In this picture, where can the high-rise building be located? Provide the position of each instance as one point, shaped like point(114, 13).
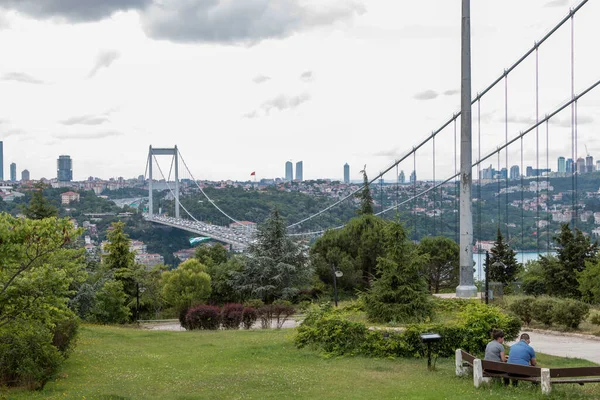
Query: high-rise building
point(569, 166)
point(346, 174)
point(299, 174)
point(598, 165)
point(13, 172)
point(401, 178)
point(580, 166)
point(289, 171)
point(589, 164)
point(514, 172)
point(561, 165)
point(64, 171)
point(25, 176)
point(413, 177)
point(1, 161)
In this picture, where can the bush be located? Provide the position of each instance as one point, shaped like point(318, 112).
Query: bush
point(182, 318)
point(595, 319)
point(27, 356)
point(65, 333)
point(523, 308)
point(203, 317)
point(249, 317)
point(265, 313)
point(254, 303)
point(231, 316)
point(282, 310)
point(543, 309)
point(570, 313)
point(328, 330)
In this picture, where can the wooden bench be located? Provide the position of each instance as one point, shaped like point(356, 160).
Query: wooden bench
point(545, 376)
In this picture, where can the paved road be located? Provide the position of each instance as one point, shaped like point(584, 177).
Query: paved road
point(580, 346)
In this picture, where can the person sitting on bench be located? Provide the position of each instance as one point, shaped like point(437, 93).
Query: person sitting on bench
point(522, 353)
point(494, 351)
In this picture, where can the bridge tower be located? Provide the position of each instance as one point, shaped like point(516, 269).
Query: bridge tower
point(163, 152)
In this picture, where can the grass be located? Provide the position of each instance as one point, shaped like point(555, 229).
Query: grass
point(125, 363)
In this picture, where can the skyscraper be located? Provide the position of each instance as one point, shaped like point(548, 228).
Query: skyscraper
point(25, 176)
point(1, 161)
point(598, 165)
point(589, 164)
point(289, 171)
point(299, 171)
point(401, 178)
point(569, 166)
point(514, 172)
point(561, 165)
point(413, 177)
point(346, 174)
point(580, 166)
point(13, 172)
point(64, 171)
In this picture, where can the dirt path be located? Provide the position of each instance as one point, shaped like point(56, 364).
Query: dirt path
point(565, 345)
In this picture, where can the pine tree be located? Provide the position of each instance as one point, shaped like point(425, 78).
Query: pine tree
point(120, 260)
point(39, 207)
point(503, 262)
point(366, 200)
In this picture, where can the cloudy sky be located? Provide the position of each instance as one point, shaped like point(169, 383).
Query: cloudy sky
point(245, 85)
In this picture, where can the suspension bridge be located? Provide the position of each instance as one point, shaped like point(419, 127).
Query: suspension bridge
point(510, 129)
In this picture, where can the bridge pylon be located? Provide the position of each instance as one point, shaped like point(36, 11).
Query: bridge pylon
point(152, 152)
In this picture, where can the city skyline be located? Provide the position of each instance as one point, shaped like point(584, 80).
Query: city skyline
point(103, 86)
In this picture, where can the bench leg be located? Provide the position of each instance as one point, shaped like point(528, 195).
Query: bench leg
point(477, 373)
point(546, 384)
point(460, 369)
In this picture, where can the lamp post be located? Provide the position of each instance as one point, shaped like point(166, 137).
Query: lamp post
point(336, 274)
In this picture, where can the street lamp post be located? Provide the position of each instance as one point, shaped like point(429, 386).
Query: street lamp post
point(336, 274)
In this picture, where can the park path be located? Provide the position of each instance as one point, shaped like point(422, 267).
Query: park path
point(565, 345)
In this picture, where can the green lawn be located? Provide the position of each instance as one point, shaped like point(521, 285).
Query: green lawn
point(125, 363)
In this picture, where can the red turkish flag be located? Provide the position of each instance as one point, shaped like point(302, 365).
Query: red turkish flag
point(253, 173)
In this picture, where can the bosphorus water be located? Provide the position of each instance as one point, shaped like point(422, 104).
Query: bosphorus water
point(522, 257)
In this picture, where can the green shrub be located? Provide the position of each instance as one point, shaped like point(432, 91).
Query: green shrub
point(254, 303)
point(522, 307)
point(249, 317)
point(27, 356)
point(595, 319)
point(65, 333)
point(480, 320)
point(282, 310)
point(450, 305)
point(543, 309)
point(570, 313)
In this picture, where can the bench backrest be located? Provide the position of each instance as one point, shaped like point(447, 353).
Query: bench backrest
point(574, 372)
point(511, 368)
point(467, 357)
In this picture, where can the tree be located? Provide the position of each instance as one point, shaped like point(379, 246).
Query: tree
point(366, 200)
point(589, 281)
point(211, 255)
point(441, 265)
point(37, 268)
point(120, 260)
point(275, 267)
point(400, 292)
point(220, 280)
point(187, 285)
point(39, 207)
point(574, 249)
point(503, 266)
point(111, 304)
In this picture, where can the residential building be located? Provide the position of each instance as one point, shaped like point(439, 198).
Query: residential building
point(561, 165)
point(25, 176)
point(64, 171)
point(346, 174)
point(569, 166)
point(13, 172)
point(299, 173)
point(184, 254)
point(149, 259)
point(514, 172)
point(580, 166)
point(68, 197)
point(289, 171)
point(589, 164)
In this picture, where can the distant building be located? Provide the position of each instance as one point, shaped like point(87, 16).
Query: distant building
point(580, 166)
point(184, 254)
point(149, 260)
point(346, 173)
point(64, 171)
point(589, 164)
point(561, 165)
point(401, 178)
point(13, 172)
point(598, 165)
point(25, 176)
point(569, 166)
point(514, 172)
point(68, 197)
point(289, 171)
point(529, 171)
point(413, 177)
point(299, 173)
point(1, 161)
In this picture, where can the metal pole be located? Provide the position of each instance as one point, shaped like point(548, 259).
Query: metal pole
point(487, 275)
point(466, 287)
point(335, 294)
point(150, 205)
point(176, 182)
